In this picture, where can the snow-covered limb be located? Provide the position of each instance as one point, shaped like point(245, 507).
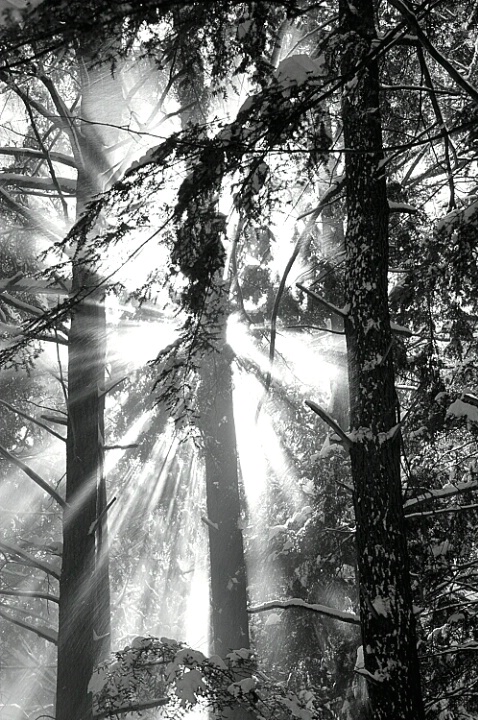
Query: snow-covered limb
point(401, 330)
point(43, 183)
point(21, 305)
point(400, 207)
point(18, 552)
point(330, 421)
point(34, 420)
point(345, 617)
point(442, 511)
point(333, 308)
point(446, 491)
point(120, 447)
point(43, 632)
point(34, 476)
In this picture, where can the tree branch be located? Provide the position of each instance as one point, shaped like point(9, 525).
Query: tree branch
point(331, 422)
point(136, 707)
point(32, 419)
point(34, 476)
point(443, 492)
point(328, 306)
point(34, 153)
point(44, 633)
point(32, 594)
point(411, 18)
point(19, 552)
point(313, 607)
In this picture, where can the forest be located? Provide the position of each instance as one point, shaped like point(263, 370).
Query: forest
point(239, 359)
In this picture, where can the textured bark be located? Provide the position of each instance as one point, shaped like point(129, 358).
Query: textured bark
point(387, 623)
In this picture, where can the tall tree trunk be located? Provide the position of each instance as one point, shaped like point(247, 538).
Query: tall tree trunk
point(84, 616)
point(203, 229)
point(388, 628)
point(229, 619)
point(77, 654)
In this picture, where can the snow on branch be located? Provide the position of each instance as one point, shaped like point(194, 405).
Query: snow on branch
point(438, 493)
point(340, 615)
point(328, 306)
point(401, 207)
point(330, 421)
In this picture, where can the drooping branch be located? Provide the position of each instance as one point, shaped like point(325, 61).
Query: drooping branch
point(293, 603)
point(302, 239)
point(33, 475)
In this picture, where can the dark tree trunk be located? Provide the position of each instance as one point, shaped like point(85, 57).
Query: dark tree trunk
point(84, 614)
point(77, 651)
point(229, 617)
point(203, 231)
point(388, 628)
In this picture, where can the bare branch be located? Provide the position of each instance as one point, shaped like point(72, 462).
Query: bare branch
point(57, 420)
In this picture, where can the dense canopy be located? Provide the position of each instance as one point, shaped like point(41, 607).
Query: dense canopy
point(238, 326)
